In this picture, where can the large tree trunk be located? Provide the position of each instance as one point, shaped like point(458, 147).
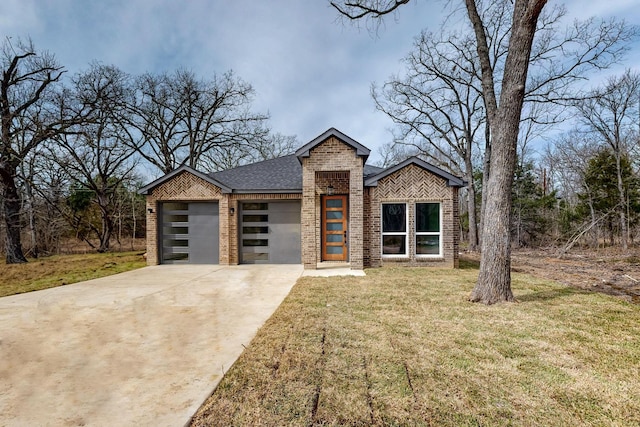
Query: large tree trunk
point(11, 203)
point(494, 278)
point(485, 179)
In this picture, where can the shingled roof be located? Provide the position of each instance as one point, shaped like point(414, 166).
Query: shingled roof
point(284, 174)
point(279, 175)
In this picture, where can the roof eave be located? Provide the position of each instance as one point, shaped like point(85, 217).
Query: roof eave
point(268, 191)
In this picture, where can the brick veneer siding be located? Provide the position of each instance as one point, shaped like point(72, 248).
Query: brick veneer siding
point(412, 185)
point(371, 233)
point(332, 155)
point(185, 187)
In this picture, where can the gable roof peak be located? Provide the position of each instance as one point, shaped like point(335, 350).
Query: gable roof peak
point(147, 189)
point(452, 180)
point(305, 150)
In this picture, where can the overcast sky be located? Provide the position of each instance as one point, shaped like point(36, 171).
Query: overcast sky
point(309, 71)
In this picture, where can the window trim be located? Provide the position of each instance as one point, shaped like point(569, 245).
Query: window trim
point(417, 233)
point(395, 233)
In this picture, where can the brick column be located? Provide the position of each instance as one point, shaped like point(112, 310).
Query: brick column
point(152, 231)
point(356, 217)
point(308, 216)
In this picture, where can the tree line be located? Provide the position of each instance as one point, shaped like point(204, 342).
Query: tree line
point(74, 149)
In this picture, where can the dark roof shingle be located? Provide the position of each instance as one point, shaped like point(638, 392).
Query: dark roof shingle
point(282, 174)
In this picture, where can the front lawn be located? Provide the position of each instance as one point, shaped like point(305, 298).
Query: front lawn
point(404, 347)
point(48, 272)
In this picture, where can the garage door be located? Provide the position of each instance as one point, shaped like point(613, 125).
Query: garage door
point(190, 233)
point(270, 233)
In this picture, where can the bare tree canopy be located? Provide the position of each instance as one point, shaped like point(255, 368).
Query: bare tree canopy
point(438, 103)
point(372, 9)
point(503, 114)
point(95, 155)
point(89, 136)
point(610, 112)
point(438, 108)
point(29, 116)
point(181, 119)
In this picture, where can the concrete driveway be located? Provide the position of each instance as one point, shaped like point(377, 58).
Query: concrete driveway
point(145, 347)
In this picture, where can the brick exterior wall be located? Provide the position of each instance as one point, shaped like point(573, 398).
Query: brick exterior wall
point(412, 185)
point(330, 163)
point(184, 187)
point(187, 187)
point(318, 171)
point(371, 234)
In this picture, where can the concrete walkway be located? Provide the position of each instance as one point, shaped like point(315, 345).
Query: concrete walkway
point(145, 347)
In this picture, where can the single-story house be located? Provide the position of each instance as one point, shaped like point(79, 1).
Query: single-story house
point(323, 204)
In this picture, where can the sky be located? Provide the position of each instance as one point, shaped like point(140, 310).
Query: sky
point(310, 71)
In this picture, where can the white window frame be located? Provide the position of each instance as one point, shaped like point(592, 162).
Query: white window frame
point(395, 233)
point(427, 233)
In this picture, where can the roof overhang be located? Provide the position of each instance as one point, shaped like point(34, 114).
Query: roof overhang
point(147, 189)
point(452, 180)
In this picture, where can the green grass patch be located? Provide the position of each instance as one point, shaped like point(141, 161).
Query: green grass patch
point(405, 347)
point(49, 272)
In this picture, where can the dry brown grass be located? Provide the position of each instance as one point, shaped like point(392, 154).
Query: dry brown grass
point(404, 347)
point(43, 273)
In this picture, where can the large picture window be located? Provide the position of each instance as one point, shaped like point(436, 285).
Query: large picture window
point(428, 229)
point(394, 229)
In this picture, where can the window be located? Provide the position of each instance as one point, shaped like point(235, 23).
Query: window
point(255, 218)
point(255, 230)
point(394, 229)
point(255, 242)
point(428, 231)
point(253, 206)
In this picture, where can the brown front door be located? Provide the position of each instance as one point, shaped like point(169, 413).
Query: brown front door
point(334, 228)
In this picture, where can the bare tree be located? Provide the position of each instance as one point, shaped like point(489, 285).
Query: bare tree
point(95, 155)
point(45, 185)
point(503, 114)
point(393, 153)
point(612, 113)
point(179, 119)
point(567, 158)
point(438, 104)
point(221, 157)
point(503, 35)
point(438, 108)
point(28, 118)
